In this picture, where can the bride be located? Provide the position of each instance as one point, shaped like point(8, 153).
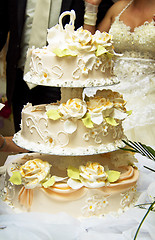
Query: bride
point(132, 25)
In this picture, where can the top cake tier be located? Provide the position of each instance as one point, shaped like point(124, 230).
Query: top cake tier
point(72, 58)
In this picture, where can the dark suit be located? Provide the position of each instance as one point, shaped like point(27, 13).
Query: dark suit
point(12, 14)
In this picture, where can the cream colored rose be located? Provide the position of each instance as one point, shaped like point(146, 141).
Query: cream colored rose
point(33, 172)
point(81, 41)
point(56, 38)
point(83, 37)
point(117, 99)
point(102, 38)
point(93, 175)
point(99, 108)
point(73, 108)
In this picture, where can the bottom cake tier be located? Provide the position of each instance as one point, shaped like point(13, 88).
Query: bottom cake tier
point(81, 186)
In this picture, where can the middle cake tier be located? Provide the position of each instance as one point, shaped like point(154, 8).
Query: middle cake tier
point(75, 127)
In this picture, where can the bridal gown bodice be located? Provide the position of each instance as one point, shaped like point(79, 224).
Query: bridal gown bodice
point(137, 44)
point(135, 69)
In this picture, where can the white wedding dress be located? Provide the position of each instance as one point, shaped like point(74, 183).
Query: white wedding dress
point(136, 72)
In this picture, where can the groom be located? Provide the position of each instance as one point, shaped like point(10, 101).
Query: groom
point(13, 15)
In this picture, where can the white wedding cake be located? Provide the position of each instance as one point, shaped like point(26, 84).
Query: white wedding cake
point(78, 166)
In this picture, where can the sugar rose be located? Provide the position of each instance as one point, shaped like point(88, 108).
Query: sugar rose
point(33, 172)
point(93, 175)
point(73, 108)
point(83, 38)
point(102, 38)
point(99, 108)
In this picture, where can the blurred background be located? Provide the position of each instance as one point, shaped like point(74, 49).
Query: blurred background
point(6, 122)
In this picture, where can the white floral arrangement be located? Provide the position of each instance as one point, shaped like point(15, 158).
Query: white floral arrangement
point(36, 173)
point(96, 50)
point(94, 112)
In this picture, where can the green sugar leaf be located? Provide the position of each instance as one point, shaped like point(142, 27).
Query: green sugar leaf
point(129, 112)
point(16, 178)
point(50, 182)
point(113, 176)
point(64, 52)
point(109, 55)
point(87, 121)
point(73, 173)
point(53, 114)
point(100, 50)
point(111, 121)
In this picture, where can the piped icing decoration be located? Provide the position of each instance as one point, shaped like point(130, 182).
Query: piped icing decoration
point(94, 204)
point(34, 125)
point(25, 197)
point(53, 180)
point(102, 39)
point(93, 175)
point(63, 138)
point(37, 66)
point(99, 109)
point(126, 196)
point(50, 182)
point(34, 173)
point(31, 175)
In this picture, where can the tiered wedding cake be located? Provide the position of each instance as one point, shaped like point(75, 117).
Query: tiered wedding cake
point(78, 167)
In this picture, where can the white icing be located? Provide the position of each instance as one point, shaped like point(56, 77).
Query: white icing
point(70, 126)
point(35, 127)
point(59, 73)
point(125, 199)
point(67, 82)
point(68, 151)
point(62, 138)
point(97, 133)
point(117, 114)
